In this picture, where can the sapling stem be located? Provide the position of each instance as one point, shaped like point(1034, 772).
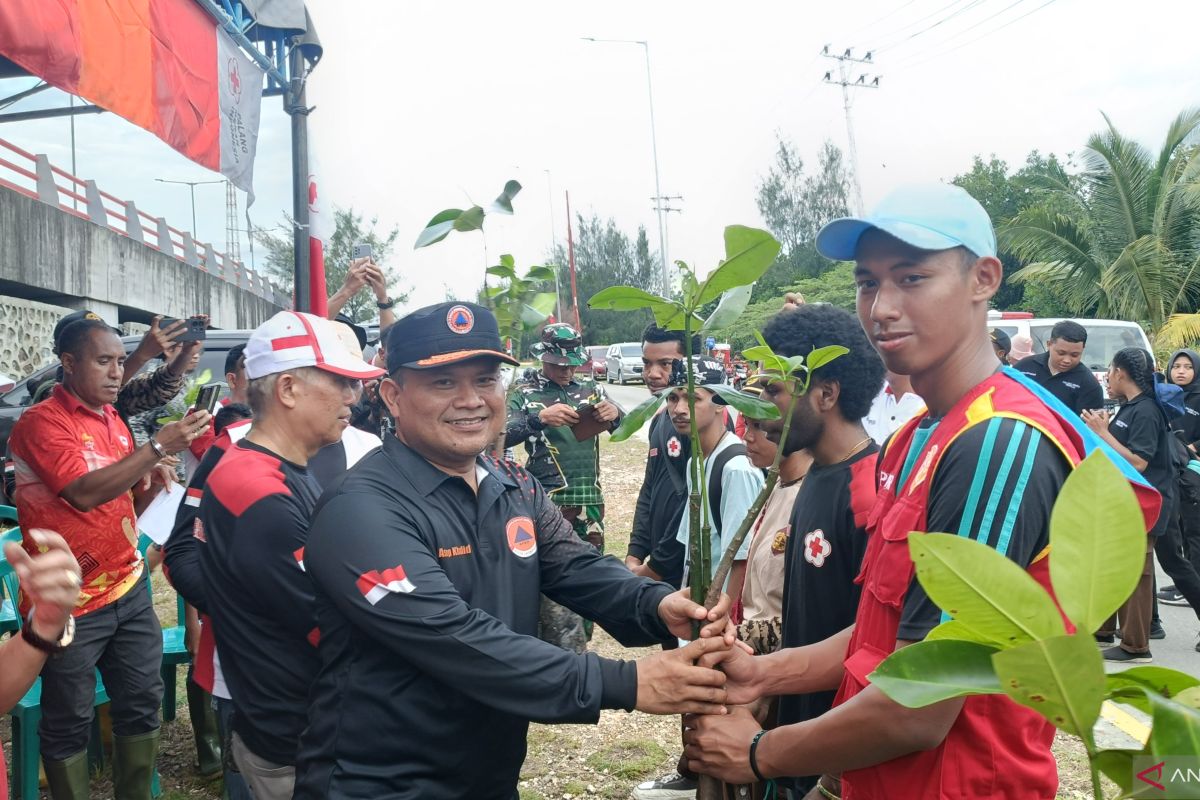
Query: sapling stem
point(718, 582)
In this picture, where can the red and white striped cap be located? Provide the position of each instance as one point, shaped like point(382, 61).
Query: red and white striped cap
point(293, 339)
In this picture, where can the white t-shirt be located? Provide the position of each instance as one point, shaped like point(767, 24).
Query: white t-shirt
point(741, 482)
point(887, 413)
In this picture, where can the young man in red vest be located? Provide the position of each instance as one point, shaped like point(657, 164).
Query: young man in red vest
point(986, 461)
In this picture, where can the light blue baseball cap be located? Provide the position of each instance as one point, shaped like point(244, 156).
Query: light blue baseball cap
point(930, 216)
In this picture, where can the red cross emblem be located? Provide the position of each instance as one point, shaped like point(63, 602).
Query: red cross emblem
point(674, 448)
point(817, 548)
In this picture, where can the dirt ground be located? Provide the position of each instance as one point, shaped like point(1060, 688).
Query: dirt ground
point(565, 762)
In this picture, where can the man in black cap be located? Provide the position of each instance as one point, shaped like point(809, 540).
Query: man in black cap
point(428, 561)
point(1002, 344)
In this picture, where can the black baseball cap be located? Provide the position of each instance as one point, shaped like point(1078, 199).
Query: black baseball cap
point(1001, 340)
point(74, 316)
point(446, 333)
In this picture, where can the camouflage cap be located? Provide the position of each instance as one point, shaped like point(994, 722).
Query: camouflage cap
point(560, 344)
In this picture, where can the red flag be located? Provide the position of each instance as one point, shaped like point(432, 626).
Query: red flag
point(320, 230)
point(376, 585)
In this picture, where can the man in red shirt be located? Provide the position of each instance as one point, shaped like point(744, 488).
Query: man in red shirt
point(75, 468)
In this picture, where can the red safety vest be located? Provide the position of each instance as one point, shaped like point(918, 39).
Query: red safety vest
point(995, 748)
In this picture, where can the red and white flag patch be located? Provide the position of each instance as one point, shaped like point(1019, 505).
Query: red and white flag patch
point(299, 556)
point(376, 585)
point(192, 498)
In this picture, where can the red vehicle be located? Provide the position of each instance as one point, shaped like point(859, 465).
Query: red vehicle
point(595, 365)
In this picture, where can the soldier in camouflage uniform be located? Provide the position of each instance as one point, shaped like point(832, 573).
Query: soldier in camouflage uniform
point(542, 410)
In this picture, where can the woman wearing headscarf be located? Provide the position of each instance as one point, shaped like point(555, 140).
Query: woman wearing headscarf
point(1183, 370)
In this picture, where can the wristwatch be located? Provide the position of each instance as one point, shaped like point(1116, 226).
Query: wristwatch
point(385, 304)
point(68, 635)
point(158, 449)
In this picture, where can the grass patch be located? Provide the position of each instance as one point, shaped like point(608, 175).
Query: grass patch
point(632, 759)
point(575, 788)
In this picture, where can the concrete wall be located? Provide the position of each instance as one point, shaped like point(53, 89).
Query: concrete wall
point(51, 256)
point(25, 331)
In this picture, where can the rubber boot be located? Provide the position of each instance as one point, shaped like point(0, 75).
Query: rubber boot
point(133, 765)
point(204, 729)
point(68, 779)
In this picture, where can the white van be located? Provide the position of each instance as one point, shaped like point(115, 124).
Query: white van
point(1105, 336)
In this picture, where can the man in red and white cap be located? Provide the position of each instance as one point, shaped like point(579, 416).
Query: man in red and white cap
point(254, 516)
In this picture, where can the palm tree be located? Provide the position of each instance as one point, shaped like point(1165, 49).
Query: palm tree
point(1124, 239)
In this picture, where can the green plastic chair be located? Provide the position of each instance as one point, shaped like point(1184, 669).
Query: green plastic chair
point(8, 608)
point(175, 652)
point(26, 745)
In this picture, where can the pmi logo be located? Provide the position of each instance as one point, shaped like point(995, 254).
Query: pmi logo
point(1170, 778)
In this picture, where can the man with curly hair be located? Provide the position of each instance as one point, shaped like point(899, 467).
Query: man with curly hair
point(827, 536)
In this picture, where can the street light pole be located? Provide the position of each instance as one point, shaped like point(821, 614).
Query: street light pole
point(662, 236)
point(192, 186)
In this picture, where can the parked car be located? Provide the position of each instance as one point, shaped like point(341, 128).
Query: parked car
point(624, 362)
point(1105, 338)
point(14, 402)
point(595, 365)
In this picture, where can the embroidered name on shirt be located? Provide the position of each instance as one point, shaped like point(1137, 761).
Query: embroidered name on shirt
point(457, 550)
point(1120, 423)
point(1070, 385)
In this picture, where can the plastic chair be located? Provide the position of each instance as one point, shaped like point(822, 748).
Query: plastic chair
point(8, 608)
point(26, 744)
point(175, 653)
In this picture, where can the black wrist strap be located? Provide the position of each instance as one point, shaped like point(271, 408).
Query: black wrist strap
point(753, 753)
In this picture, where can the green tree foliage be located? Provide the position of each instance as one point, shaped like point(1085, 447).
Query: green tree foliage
point(835, 287)
point(350, 228)
point(794, 206)
point(1004, 195)
point(604, 257)
point(1125, 241)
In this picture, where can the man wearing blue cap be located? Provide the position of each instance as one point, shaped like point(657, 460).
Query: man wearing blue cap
point(986, 461)
point(429, 561)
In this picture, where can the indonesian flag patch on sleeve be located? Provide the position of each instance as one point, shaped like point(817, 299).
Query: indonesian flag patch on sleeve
point(192, 498)
point(376, 585)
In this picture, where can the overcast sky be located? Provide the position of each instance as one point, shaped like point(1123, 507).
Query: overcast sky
point(426, 105)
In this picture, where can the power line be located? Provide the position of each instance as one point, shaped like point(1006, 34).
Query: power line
point(927, 29)
point(878, 20)
point(982, 36)
point(844, 61)
point(968, 29)
point(884, 39)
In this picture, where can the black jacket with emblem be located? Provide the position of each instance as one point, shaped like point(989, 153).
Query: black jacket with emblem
point(428, 598)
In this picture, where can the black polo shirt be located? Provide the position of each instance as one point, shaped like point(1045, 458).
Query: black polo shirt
point(825, 547)
point(661, 501)
point(428, 598)
point(1141, 426)
point(254, 516)
point(1077, 387)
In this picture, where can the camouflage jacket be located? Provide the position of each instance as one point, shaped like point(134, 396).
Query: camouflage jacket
point(568, 469)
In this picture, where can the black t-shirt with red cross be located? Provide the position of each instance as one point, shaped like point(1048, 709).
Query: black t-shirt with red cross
point(824, 553)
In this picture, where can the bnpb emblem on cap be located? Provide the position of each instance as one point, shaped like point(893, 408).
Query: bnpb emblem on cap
point(460, 319)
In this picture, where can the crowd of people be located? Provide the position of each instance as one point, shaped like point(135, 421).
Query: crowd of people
point(385, 598)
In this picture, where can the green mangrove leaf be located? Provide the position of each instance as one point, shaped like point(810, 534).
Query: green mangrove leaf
point(541, 274)
point(749, 252)
point(823, 355)
point(634, 420)
point(1117, 766)
point(733, 303)
point(469, 220)
point(503, 203)
point(494, 291)
point(544, 302)
point(531, 317)
point(1131, 685)
point(953, 629)
point(928, 672)
point(983, 590)
point(1097, 542)
point(752, 407)
point(502, 271)
point(438, 228)
point(1061, 678)
point(1176, 730)
point(626, 298)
